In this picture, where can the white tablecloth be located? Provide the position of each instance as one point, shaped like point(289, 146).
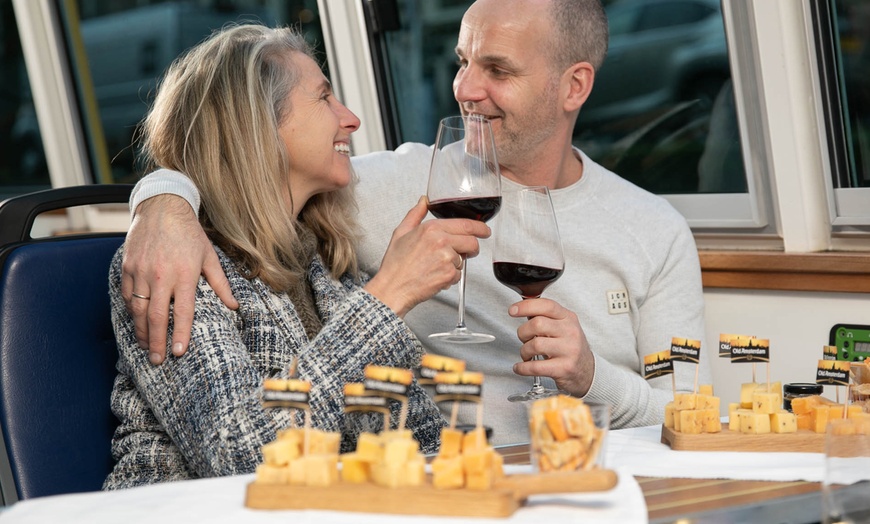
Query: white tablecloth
point(221, 500)
point(631, 452)
point(640, 452)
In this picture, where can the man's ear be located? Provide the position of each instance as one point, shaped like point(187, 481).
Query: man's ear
point(577, 84)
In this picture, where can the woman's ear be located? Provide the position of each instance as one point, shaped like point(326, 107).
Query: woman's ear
point(577, 81)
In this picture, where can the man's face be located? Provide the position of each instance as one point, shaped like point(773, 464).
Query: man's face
point(505, 75)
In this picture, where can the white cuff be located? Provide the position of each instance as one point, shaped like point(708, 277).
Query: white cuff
point(162, 182)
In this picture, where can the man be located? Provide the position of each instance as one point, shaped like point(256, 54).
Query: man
point(632, 278)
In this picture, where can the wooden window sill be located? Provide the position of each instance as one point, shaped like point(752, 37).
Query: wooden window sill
point(833, 272)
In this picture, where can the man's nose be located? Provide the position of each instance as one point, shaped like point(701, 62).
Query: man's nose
point(468, 86)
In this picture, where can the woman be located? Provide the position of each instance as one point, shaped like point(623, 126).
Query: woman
point(250, 118)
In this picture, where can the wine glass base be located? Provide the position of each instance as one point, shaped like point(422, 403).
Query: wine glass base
point(534, 394)
point(463, 337)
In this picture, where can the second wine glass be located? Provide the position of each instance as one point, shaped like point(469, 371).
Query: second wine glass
point(464, 182)
point(527, 256)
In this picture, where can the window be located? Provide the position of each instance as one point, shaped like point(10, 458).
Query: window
point(662, 113)
point(128, 45)
point(23, 166)
point(843, 46)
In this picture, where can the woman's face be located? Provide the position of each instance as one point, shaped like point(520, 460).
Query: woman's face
point(316, 135)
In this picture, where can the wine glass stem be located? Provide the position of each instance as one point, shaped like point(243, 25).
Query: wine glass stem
point(461, 323)
point(536, 382)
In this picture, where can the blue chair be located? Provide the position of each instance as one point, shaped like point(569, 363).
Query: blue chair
point(57, 349)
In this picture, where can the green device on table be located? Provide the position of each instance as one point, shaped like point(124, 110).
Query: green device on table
point(852, 341)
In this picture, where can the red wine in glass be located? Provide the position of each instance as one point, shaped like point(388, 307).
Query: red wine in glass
point(478, 208)
point(528, 280)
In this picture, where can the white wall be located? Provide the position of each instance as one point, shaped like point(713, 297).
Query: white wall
point(796, 323)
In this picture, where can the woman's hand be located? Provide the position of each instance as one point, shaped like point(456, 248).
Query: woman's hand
point(424, 258)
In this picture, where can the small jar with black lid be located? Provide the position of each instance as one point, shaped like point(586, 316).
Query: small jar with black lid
point(798, 389)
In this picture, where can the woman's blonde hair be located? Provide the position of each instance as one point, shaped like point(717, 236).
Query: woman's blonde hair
point(215, 118)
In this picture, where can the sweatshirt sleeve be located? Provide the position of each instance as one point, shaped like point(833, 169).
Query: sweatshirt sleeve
point(161, 182)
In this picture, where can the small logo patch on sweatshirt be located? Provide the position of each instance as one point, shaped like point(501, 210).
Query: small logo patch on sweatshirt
point(617, 302)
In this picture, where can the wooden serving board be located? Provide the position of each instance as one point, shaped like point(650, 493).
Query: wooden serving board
point(726, 440)
point(508, 495)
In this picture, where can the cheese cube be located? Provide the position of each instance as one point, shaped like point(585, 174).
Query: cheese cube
point(399, 451)
point(271, 474)
point(451, 442)
point(474, 440)
point(354, 468)
point(320, 470)
point(711, 423)
point(804, 421)
point(753, 423)
point(479, 481)
point(685, 401)
point(706, 389)
point(746, 391)
point(477, 461)
point(820, 415)
point(707, 402)
point(410, 473)
point(764, 402)
point(733, 421)
point(280, 452)
point(415, 471)
point(447, 473)
point(669, 414)
point(783, 422)
point(389, 475)
point(369, 447)
point(323, 442)
point(692, 421)
point(296, 472)
point(804, 405)
point(749, 388)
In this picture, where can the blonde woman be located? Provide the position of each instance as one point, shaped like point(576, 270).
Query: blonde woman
point(251, 119)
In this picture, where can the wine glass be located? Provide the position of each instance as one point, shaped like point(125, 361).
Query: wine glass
point(527, 256)
point(464, 182)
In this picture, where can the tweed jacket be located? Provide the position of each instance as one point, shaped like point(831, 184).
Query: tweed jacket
point(200, 415)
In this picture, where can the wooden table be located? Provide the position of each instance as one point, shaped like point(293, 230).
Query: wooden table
point(695, 501)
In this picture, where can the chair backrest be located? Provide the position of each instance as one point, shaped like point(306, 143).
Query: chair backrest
point(57, 349)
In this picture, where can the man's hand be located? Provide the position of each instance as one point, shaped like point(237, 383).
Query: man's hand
point(555, 333)
point(424, 258)
point(165, 252)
